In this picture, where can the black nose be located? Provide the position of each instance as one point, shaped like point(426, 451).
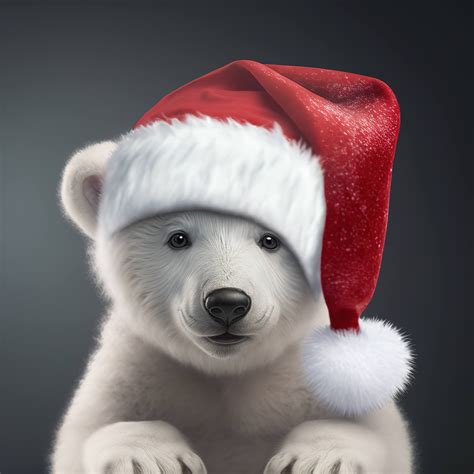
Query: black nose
point(227, 305)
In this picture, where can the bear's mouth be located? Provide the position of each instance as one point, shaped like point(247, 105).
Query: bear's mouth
point(226, 339)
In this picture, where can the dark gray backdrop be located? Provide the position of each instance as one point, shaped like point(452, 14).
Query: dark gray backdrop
point(70, 75)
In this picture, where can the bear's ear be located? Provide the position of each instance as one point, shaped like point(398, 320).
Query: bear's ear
point(81, 185)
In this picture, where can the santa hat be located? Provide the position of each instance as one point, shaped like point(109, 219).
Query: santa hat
point(301, 150)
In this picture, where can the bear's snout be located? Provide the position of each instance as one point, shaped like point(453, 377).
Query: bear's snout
point(226, 306)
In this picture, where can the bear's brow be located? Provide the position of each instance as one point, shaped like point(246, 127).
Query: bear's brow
point(175, 221)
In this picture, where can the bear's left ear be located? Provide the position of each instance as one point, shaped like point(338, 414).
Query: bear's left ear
point(81, 185)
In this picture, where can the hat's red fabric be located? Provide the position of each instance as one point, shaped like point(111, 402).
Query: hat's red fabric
point(351, 122)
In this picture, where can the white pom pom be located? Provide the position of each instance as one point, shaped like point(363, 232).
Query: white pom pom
point(351, 372)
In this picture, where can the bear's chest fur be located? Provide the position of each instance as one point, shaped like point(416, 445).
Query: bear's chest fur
point(260, 403)
point(253, 411)
point(229, 421)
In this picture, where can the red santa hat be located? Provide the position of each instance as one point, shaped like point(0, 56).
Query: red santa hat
point(307, 152)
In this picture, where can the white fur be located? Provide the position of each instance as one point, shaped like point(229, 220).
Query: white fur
point(156, 394)
point(352, 373)
point(77, 198)
point(204, 163)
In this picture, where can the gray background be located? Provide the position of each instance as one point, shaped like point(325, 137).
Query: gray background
point(73, 74)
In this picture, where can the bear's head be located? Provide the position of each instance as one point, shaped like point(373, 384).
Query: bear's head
point(214, 290)
point(228, 209)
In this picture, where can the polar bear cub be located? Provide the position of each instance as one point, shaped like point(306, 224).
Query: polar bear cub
point(198, 363)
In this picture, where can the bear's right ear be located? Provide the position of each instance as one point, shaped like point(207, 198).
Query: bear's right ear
point(81, 185)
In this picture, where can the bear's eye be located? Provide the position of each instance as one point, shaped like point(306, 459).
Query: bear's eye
point(179, 240)
point(269, 242)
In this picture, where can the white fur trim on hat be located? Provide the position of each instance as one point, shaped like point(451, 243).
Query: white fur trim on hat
point(351, 372)
point(205, 163)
